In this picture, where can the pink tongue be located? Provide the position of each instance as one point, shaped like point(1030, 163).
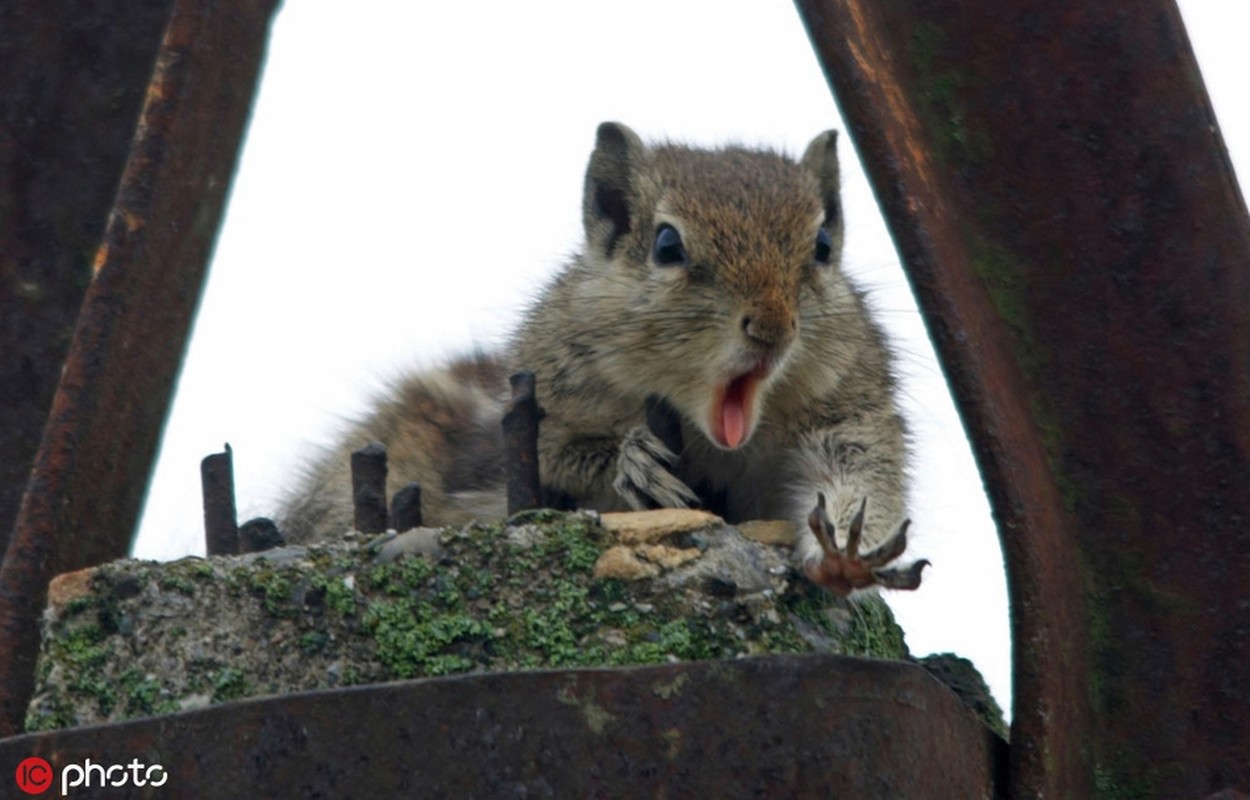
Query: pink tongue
point(733, 413)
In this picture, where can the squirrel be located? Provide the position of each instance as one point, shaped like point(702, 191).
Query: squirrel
point(710, 278)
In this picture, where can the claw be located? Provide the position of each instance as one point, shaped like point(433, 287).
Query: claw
point(903, 578)
point(645, 476)
point(823, 528)
point(890, 549)
point(856, 533)
point(844, 570)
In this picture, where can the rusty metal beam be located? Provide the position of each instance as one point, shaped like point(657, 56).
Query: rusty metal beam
point(97, 449)
point(1056, 184)
point(784, 726)
point(74, 80)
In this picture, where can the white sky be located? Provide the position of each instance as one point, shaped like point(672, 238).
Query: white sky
point(412, 175)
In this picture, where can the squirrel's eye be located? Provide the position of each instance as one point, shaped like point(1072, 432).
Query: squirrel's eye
point(824, 246)
point(668, 251)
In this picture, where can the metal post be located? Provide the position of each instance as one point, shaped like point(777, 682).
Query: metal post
point(221, 524)
point(90, 474)
point(520, 429)
point(1056, 184)
point(369, 488)
point(406, 508)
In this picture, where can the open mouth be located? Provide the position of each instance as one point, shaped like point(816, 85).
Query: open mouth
point(732, 407)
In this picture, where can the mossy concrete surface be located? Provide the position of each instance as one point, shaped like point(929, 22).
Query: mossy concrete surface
point(546, 589)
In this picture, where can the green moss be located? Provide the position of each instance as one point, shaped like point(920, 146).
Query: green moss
point(962, 677)
point(199, 675)
point(228, 684)
point(351, 676)
point(141, 693)
point(685, 640)
point(942, 109)
point(276, 587)
point(873, 630)
point(189, 569)
point(576, 543)
point(414, 640)
point(43, 670)
point(83, 648)
point(810, 605)
point(321, 558)
point(527, 600)
point(548, 633)
point(1113, 784)
point(184, 576)
point(474, 583)
point(84, 651)
point(313, 642)
point(340, 598)
point(535, 516)
point(177, 583)
point(400, 577)
point(60, 715)
point(78, 605)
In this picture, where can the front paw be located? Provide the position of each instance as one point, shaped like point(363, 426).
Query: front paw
point(644, 476)
point(844, 570)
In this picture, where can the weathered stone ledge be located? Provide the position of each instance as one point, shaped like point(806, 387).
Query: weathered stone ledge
point(136, 638)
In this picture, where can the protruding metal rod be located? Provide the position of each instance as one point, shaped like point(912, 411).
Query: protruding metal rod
point(221, 526)
point(406, 508)
point(369, 488)
point(260, 534)
point(520, 433)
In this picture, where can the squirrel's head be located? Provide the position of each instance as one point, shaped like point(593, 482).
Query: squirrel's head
point(726, 264)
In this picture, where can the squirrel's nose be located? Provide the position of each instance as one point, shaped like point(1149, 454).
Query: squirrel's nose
point(770, 327)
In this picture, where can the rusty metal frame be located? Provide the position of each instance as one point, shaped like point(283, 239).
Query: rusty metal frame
point(90, 474)
point(785, 726)
point(1055, 181)
point(73, 88)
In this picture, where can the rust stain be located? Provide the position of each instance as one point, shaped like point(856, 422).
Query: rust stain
point(101, 258)
point(875, 62)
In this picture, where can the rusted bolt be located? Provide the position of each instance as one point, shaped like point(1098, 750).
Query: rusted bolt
point(406, 508)
point(260, 534)
point(221, 527)
point(369, 488)
point(520, 433)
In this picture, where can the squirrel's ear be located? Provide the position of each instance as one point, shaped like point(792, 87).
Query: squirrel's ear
point(611, 184)
point(821, 160)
